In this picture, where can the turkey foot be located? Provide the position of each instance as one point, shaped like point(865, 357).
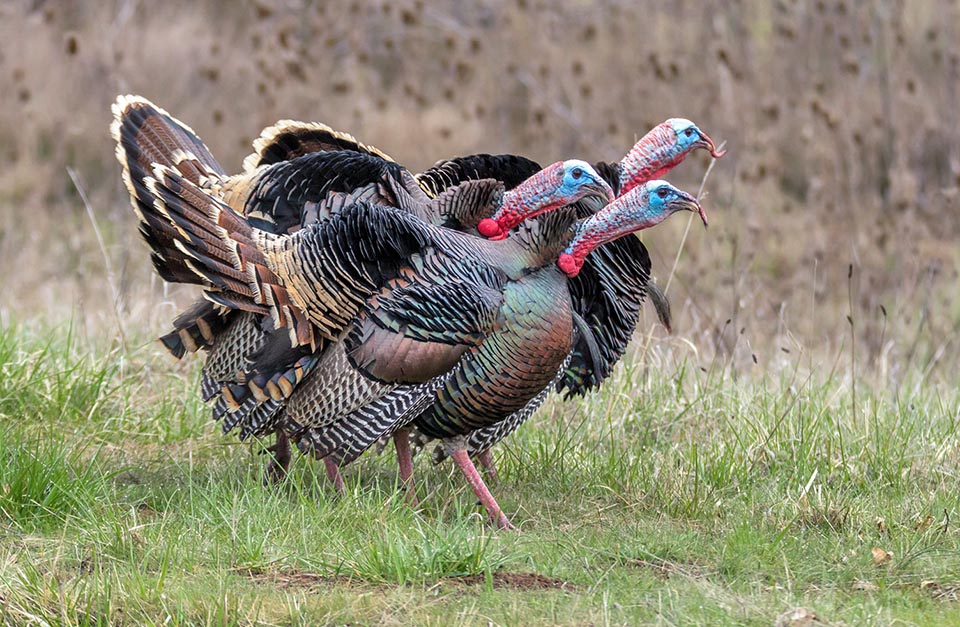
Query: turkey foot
point(462, 460)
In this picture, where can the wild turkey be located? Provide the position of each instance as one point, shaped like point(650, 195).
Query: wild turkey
point(280, 198)
point(608, 292)
point(147, 135)
point(290, 140)
point(409, 299)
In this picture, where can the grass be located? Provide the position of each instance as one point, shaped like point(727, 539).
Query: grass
point(690, 499)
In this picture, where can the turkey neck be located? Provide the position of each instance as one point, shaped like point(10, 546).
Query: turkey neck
point(535, 244)
point(653, 156)
point(532, 193)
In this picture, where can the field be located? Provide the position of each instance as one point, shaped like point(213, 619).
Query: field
point(790, 455)
point(697, 500)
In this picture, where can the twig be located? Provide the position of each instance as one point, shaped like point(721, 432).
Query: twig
point(703, 183)
point(853, 344)
point(686, 230)
point(111, 279)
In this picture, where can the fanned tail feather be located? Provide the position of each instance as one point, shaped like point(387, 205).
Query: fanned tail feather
point(207, 236)
point(147, 135)
point(196, 328)
point(289, 139)
point(254, 403)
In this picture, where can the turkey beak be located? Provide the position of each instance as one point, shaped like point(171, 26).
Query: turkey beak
point(689, 203)
point(601, 189)
point(703, 214)
point(707, 143)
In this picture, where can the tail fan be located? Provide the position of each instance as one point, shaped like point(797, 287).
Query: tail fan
point(288, 139)
point(205, 236)
point(220, 250)
point(147, 135)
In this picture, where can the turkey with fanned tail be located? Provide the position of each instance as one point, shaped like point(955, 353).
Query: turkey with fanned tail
point(409, 299)
point(254, 367)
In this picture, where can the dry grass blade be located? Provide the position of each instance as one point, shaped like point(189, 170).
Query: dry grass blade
point(111, 276)
point(690, 218)
point(703, 182)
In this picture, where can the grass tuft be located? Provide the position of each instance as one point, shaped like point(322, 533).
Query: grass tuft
point(46, 481)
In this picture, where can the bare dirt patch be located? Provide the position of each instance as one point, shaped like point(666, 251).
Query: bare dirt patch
point(516, 581)
point(665, 569)
point(292, 578)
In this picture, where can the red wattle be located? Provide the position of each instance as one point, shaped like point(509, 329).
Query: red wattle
point(489, 227)
point(569, 264)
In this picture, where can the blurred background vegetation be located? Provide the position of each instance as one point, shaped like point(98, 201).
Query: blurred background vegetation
point(840, 118)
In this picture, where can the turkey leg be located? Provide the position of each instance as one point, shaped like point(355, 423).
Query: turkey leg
point(333, 472)
point(486, 460)
point(279, 458)
point(458, 453)
point(401, 440)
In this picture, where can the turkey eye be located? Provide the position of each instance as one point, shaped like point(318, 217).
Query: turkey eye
point(577, 173)
point(662, 192)
point(688, 132)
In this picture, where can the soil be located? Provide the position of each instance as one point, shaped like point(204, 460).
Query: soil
point(501, 580)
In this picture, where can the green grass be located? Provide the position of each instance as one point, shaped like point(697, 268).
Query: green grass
point(693, 499)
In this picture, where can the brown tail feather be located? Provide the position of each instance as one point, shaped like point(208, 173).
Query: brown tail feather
point(147, 135)
point(220, 248)
point(195, 328)
point(191, 219)
point(289, 139)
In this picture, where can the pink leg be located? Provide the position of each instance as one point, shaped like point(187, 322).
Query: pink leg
point(462, 460)
point(333, 472)
point(486, 460)
point(401, 439)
